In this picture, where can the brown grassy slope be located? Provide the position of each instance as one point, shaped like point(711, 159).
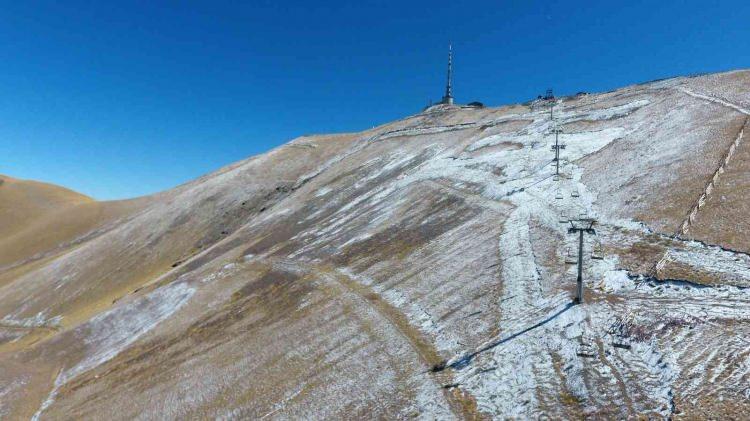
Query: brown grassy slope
point(723, 218)
point(39, 221)
point(175, 226)
point(23, 202)
point(256, 330)
point(154, 236)
point(59, 230)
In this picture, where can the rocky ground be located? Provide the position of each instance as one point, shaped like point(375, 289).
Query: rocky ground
point(422, 268)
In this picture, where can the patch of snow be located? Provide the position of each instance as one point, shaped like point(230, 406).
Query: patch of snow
point(323, 191)
point(39, 320)
point(615, 281)
point(108, 333)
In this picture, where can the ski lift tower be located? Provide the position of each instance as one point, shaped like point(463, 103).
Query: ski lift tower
point(580, 226)
point(556, 148)
point(550, 97)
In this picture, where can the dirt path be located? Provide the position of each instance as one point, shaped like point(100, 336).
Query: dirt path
point(29, 335)
point(461, 404)
point(714, 100)
point(47, 329)
point(472, 198)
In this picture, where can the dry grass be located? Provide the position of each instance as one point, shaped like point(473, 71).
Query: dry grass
point(340, 311)
point(23, 202)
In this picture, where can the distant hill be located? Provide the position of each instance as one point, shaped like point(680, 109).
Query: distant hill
point(23, 202)
point(423, 268)
point(40, 220)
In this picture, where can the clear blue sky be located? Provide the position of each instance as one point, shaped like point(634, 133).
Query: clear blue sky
point(120, 100)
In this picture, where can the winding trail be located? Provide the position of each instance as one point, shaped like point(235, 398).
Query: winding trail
point(714, 100)
point(365, 297)
point(47, 329)
point(472, 198)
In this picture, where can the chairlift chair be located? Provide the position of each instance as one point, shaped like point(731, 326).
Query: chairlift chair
point(620, 342)
point(586, 347)
point(558, 195)
point(597, 253)
point(574, 193)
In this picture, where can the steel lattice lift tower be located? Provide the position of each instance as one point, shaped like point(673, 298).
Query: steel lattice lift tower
point(550, 97)
point(556, 148)
point(580, 226)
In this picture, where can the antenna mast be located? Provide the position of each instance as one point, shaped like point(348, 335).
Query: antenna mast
point(448, 97)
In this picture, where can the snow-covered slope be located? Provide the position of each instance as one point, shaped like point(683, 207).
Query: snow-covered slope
point(418, 269)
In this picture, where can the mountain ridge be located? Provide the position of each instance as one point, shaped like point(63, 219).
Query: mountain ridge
point(329, 276)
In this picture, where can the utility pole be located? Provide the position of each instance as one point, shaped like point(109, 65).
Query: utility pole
point(580, 226)
point(557, 146)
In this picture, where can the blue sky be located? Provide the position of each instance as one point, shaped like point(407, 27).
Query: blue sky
point(120, 100)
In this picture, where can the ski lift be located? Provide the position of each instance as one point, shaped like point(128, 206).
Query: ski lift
point(558, 195)
point(574, 193)
point(586, 348)
point(563, 218)
point(597, 253)
point(620, 342)
point(555, 177)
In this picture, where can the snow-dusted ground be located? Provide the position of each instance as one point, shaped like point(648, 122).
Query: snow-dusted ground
point(421, 268)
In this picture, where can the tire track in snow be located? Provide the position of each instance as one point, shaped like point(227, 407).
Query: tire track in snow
point(621, 385)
